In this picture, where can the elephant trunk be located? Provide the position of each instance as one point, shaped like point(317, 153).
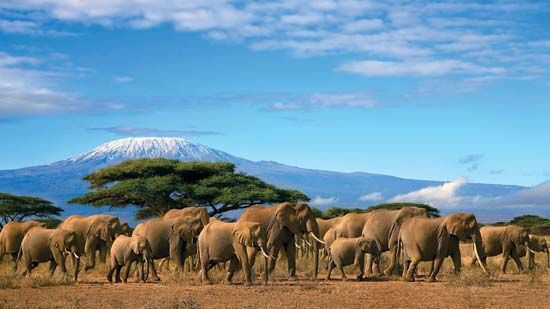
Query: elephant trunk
point(177, 249)
point(476, 238)
point(266, 269)
point(76, 267)
point(313, 230)
point(548, 257)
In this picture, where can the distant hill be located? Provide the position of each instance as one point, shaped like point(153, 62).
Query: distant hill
point(61, 181)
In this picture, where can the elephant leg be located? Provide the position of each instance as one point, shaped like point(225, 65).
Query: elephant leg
point(110, 273)
point(368, 264)
point(516, 259)
point(232, 267)
point(205, 267)
point(391, 264)
point(117, 274)
point(91, 262)
point(376, 265)
point(505, 258)
point(457, 261)
point(53, 266)
point(103, 253)
point(411, 270)
point(437, 266)
point(14, 259)
point(360, 265)
point(127, 267)
point(340, 267)
point(290, 251)
point(153, 270)
point(330, 266)
point(242, 256)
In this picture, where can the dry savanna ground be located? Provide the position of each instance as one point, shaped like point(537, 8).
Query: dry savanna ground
point(470, 289)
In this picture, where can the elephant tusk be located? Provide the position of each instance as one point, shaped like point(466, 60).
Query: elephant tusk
point(530, 250)
point(76, 256)
point(297, 246)
point(307, 242)
point(263, 252)
point(478, 258)
point(317, 239)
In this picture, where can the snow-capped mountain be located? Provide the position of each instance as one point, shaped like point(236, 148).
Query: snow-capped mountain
point(149, 147)
point(62, 180)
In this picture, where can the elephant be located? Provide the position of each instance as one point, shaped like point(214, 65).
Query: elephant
point(536, 244)
point(222, 241)
point(325, 225)
point(382, 225)
point(115, 229)
point(11, 236)
point(167, 238)
point(281, 223)
point(92, 233)
point(200, 218)
point(328, 239)
point(348, 251)
point(42, 245)
point(426, 239)
point(505, 240)
point(126, 250)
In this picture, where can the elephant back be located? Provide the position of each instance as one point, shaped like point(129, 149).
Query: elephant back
point(157, 232)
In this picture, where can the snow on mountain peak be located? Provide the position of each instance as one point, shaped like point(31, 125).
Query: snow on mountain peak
point(152, 147)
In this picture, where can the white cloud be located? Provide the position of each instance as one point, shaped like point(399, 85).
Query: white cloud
point(420, 67)
point(123, 79)
point(389, 37)
point(443, 196)
point(371, 197)
point(319, 201)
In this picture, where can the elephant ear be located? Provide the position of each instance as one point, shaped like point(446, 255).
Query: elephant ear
point(243, 234)
point(56, 241)
point(203, 216)
point(134, 244)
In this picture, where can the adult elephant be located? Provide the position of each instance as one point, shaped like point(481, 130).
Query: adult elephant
point(426, 239)
point(281, 223)
point(115, 229)
point(536, 244)
point(167, 238)
point(223, 241)
point(92, 234)
point(11, 236)
point(382, 226)
point(42, 245)
point(505, 240)
point(198, 213)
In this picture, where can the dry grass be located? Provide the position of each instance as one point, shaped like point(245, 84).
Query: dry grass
point(185, 290)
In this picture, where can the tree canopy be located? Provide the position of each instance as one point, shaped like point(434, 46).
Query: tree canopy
point(537, 225)
point(338, 211)
point(18, 208)
point(158, 185)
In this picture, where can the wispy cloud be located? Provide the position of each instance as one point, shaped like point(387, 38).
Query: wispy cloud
point(29, 27)
point(371, 197)
point(496, 171)
point(27, 90)
point(134, 131)
point(123, 79)
point(323, 101)
point(472, 161)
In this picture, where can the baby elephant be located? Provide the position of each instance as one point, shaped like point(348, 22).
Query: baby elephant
point(126, 250)
point(42, 245)
point(348, 251)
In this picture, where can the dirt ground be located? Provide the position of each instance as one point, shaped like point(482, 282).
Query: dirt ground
point(506, 291)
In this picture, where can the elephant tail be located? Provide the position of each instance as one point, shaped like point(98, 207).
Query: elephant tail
point(19, 254)
point(2, 245)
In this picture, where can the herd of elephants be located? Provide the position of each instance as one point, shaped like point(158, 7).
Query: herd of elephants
point(408, 236)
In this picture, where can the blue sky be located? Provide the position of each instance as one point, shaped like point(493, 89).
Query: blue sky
point(407, 88)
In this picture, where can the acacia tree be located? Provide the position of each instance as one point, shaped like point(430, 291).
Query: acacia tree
point(158, 185)
point(18, 208)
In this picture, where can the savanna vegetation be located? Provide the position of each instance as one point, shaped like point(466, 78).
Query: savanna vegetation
point(537, 225)
point(19, 208)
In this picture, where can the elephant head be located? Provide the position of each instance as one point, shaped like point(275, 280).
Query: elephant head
point(251, 234)
point(115, 227)
point(98, 236)
point(181, 235)
point(63, 243)
point(125, 229)
point(367, 245)
point(519, 236)
point(543, 247)
point(464, 227)
point(140, 246)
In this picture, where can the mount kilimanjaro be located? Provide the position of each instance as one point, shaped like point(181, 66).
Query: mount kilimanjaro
point(62, 180)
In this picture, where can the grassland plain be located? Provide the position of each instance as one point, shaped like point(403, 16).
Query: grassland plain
point(470, 289)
